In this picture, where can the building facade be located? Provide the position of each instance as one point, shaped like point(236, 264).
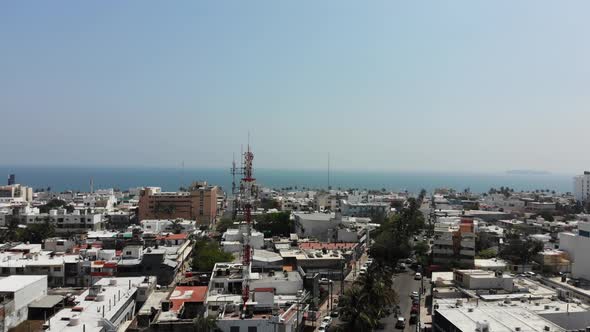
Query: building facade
point(199, 204)
point(582, 187)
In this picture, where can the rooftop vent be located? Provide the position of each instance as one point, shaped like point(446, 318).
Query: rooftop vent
point(74, 321)
point(517, 329)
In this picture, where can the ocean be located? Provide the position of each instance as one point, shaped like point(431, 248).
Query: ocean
point(78, 178)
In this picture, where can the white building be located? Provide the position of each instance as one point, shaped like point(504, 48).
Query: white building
point(323, 226)
point(480, 279)
point(582, 186)
point(166, 225)
point(233, 238)
point(454, 242)
point(577, 245)
point(16, 293)
point(16, 193)
point(107, 306)
point(272, 300)
point(64, 222)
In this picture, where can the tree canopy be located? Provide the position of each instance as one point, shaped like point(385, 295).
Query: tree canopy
point(274, 224)
point(206, 253)
point(55, 204)
point(519, 250)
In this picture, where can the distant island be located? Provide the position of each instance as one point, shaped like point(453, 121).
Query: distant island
point(527, 172)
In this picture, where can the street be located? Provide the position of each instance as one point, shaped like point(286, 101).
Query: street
point(404, 284)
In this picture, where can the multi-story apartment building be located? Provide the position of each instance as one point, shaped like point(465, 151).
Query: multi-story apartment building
point(577, 245)
point(78, 221)
point(367, 210)
point(106, 306)
point(15, 193)
point(273, 303)
point(454, 242)
point(198, 203)
point(582, 186)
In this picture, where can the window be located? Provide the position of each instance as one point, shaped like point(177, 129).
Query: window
point(57, 269)
point(234, 329)
point(128, 253)
point(252, 329)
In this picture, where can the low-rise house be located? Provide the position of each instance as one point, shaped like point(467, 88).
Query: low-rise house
point(16, 294)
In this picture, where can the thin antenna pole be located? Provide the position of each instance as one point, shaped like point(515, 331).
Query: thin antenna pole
point(328, 170)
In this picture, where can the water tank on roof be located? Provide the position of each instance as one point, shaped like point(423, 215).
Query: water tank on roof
point(74, 320)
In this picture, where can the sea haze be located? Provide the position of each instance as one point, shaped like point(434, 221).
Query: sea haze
point(78, 178)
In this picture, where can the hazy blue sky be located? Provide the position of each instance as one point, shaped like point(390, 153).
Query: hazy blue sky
point(418, 85)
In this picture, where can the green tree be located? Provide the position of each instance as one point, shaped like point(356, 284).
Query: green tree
point(547, 215)
point(36, 233)
point(55, 204)
point(519, 250)
point(223, 224)
point(268, 203)
point(364, 304)
point(421, 248)
point(177, 226)
point(487, 253)
point(274, 224)
point(206, 253)
point(204, 324)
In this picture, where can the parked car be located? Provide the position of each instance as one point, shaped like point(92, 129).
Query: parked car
point(334, 313)
point(327, 320)
point(400, 323)
point(418, 276)
point(414, 294)
point(413, 318)
point(324, 281)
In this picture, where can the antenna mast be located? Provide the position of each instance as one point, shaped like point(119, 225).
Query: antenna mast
point(247, 193)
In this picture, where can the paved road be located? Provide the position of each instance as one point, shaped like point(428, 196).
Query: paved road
point(404, 284)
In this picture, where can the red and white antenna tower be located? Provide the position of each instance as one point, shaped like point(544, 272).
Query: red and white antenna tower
point(247, 193)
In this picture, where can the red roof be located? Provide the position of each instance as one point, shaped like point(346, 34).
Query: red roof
point(263, 289)
point(182, 236)
point(328, 246)
point(182, 294)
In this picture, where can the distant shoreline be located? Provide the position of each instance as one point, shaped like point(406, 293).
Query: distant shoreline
point(527, 172)
point(78, 178)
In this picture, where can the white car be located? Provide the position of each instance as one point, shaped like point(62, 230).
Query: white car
point(417, 276)
point(327, 321)
point(414, 295)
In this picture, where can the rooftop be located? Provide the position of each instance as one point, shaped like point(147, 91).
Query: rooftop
point(89, 310)
point(328, 246)
point(499, 318)
point(16, 283)
point(182, 294)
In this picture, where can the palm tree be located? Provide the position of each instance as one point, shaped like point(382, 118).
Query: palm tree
point(364, 303)
point(204, 324)
point(177, 226)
